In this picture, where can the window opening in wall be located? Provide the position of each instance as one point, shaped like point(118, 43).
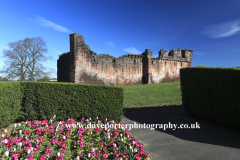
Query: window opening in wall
point(183, 54)
point(92, 59)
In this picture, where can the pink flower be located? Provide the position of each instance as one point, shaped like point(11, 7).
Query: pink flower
point(146, 155)
point(105, 155)
point(35, 122)
point(104, 149)
point(116, 155)
point(43, 157)
point(81, 143)
point(98, 152)
point(138, 158)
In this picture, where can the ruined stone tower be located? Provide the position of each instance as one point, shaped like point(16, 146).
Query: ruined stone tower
point(81, 65)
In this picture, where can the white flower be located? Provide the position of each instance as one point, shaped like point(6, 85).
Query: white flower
point(54, 116)
point(15, 125)
point(121, 135)
point(97, 117)
point(93, 149)
point(77, 157)
point(133, 142)
point(5, 141)
point(88, 154)
point(29, 151)
point(47, 125)
point(122, 139)
point(90, 119)
point(19, 124)
point(5, 130)
point(130, 147)
point(20, 144)
point(58, 154)
point(64, 137)
point(106, 119)
point(20, 131)
point(6, 153)
point(2, 135)
point(14, 149)
point(135, 150)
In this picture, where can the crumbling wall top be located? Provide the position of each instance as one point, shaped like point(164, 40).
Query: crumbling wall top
point(64, 54)
point(76, 40)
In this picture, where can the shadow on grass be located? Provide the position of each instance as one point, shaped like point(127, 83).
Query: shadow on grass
point(209, 132)
point(153, 108)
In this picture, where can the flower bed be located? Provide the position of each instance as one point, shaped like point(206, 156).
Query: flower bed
point(63, 140)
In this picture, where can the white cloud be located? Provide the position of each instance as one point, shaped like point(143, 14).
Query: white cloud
point(58, 52)
point(110, 44)
point(222, 30)
point(132, 50)
point(45, 23)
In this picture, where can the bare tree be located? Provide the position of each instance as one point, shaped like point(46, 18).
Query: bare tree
point(24, 58)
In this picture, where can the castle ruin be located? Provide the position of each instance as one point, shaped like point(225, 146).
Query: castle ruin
point(81, 65)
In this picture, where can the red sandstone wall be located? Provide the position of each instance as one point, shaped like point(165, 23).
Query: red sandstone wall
point(160, 72)
point(103, 70)
point(125, 70)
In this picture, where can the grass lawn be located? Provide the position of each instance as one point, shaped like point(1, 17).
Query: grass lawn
point(148, 95)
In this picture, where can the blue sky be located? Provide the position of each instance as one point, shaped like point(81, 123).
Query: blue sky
point(211, 28)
